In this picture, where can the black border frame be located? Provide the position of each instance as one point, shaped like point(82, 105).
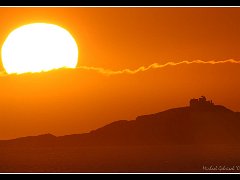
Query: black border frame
point(119, 3)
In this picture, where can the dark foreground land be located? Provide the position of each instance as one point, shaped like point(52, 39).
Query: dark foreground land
point(211, 158)
point(202, 137)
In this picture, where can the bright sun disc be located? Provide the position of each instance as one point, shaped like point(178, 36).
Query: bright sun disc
point(39, 47)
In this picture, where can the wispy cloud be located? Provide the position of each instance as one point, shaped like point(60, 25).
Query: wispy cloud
point(154, 66)
point(145, 68)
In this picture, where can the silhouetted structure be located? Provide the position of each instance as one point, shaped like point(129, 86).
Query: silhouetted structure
point(201, 103)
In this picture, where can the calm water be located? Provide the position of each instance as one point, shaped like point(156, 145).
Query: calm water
point(122, 159)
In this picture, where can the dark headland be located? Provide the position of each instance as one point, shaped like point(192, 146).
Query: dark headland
point(185, 139)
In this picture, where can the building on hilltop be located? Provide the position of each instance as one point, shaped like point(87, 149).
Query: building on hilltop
point(201, 103)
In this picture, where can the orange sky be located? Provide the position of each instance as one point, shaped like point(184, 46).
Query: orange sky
point(75, 101)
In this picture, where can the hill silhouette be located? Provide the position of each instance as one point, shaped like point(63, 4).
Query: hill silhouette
point(201, 122)
point(186, 139)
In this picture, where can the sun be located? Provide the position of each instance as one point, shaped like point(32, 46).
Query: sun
point(39, 47)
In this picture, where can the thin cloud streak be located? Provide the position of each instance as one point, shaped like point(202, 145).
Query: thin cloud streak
point(154, 66)
point(144, 68)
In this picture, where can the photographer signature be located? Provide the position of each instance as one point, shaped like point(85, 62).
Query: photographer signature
point(221, 168)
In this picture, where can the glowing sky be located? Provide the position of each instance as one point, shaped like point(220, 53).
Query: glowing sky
point(179, 53)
